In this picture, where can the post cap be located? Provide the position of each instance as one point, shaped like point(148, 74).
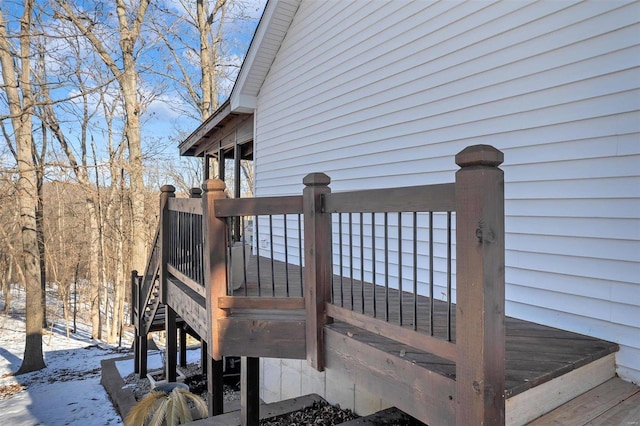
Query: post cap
point(211, 185)
point(479, 155)
point(195, 192)
point(167, 188)
point(316, 179)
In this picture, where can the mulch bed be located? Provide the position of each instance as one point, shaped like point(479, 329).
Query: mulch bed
point(320, 413)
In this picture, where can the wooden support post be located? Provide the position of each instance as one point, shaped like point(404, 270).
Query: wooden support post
point(215, 386)
point(142, 345)
point(135, 294)
point(249, 391)
point(206, 165)
point(136, 355)
point(480, 325)
point(167, 191)
point(215, 254)
point(172, 343)
point(237, 153)
point(133, 307)
point(183, 346)
point(318, 265)
point(221, 165)
point(203, 356)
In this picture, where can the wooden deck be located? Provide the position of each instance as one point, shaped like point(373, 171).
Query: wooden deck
point(535, 353)
point(542, 363)
point(377, 332)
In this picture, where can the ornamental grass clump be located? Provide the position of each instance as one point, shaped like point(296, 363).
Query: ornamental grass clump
point(172, 407)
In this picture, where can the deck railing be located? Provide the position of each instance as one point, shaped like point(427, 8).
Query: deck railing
point(185, 257)
point(368, 258)
point(385, 250)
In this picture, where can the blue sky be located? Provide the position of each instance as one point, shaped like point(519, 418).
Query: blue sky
point(166, 116)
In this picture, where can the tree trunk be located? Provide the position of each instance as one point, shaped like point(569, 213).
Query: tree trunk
point(6, 285)
point(27, 191)
point(136, 168)
point(41, 249)
point(94, 269)
point(118, 293)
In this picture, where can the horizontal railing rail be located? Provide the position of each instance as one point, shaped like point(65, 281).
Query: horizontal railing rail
point(439, 197)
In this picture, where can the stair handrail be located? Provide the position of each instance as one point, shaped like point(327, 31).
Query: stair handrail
point(151, 273)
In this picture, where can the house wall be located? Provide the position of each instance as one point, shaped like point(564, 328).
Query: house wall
point(384, 94)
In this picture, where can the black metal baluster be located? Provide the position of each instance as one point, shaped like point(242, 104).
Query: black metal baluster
point(258, 255)
point(400, 268)
point(373, 260)
point(300, 254)
point(386, 266)
point(415, 271)
point(449, 276)
point(362, 260)
point(229, 230)
point(432, 296)
point(341, 265)
point(273, 277)
point(351, 259)
point(182, 249)
point(244, 255)
point(286, 256)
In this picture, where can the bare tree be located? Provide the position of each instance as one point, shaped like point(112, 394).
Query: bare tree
point(122, 65)
point(193, 35)
point(18, 91)
point(80, 171)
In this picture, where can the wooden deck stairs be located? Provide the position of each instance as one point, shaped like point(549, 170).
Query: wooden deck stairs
point(358, 306)
point(615, 402)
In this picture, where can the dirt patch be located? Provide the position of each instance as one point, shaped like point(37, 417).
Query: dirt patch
point(10, 390)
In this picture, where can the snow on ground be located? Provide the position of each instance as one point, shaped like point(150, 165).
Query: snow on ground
point(68, 391)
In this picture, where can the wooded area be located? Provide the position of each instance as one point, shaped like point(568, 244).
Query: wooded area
point(93, 95)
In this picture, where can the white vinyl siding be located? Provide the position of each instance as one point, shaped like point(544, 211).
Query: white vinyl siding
point(384, 94)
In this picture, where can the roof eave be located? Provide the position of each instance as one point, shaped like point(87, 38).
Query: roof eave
point(188, 146)
point(244, 95)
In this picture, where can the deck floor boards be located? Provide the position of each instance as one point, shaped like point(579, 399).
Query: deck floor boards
point(534, 353)
point(614, 402)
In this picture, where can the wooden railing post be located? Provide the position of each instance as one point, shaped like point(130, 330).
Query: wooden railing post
point(195, 193)
point(166, 192)
point(317, 265)
point(480, 324)
point(215, 280)
point(215, 252)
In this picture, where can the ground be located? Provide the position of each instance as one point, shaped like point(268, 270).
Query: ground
point(68, 391)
